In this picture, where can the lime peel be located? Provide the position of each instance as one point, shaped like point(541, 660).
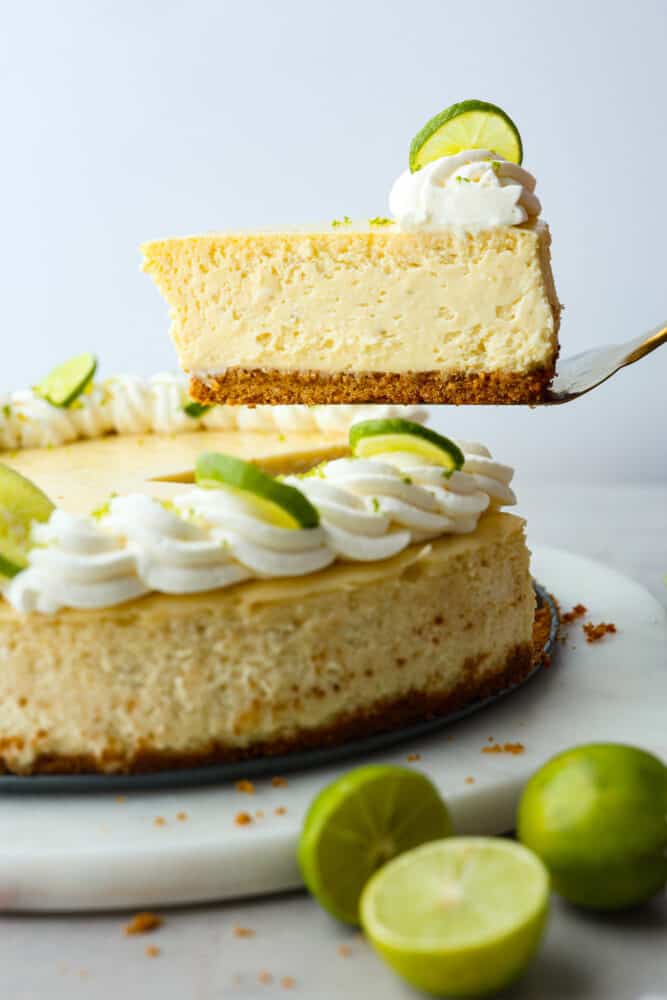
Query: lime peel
point(282, 505)
point(377, 437)
point(65, 383)
point(21, 503)
point(359, 822)
point(597, 816)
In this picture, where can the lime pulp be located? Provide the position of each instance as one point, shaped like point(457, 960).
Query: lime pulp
point(458, 917)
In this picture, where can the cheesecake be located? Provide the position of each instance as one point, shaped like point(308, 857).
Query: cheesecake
point(450, 299)
point(167, 614)
point(368, 314)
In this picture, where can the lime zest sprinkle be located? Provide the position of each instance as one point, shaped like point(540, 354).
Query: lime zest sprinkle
point(345, 221)
point(376, 504)
point(380, 220)
point(7, 410)
point(104, 508)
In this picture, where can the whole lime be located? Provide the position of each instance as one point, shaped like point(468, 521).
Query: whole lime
point(597, 817)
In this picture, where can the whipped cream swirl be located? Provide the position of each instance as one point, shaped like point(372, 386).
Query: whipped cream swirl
point(130, 404)
point(74, 564)
point(370, 509)
point(473, 190)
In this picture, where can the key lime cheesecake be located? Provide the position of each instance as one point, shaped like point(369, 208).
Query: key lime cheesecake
point(177, 597)
point(449, 300)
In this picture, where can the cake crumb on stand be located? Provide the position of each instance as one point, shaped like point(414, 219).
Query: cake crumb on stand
point(143, 923)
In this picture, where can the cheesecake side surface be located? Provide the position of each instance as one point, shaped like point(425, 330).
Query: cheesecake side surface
point(268, 666)
point(363, 314)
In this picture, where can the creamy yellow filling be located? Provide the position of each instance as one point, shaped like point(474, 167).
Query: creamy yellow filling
point(360, 300)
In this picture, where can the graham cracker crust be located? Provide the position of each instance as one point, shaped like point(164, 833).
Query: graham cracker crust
point(382, 716)
point(254, 386)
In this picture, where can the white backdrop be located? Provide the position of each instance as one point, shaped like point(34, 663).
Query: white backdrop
point(127, 120)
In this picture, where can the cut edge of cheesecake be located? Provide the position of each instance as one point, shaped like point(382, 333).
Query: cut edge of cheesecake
point(362, 315)
point(449, 647)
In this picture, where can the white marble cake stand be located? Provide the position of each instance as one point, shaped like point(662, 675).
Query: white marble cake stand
point(93, 851)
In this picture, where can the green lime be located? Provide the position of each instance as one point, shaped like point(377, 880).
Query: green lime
point(66, 382)
point(458, 917)
point(282, 505)
point(597, 816)
point(21, 503)
point(360, 821)
point(195, 410)
point(467, 125)
point(377, 437)
point(12, 558)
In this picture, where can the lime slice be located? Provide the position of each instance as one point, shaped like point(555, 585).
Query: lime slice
point(597, 816)
point(359, 822)
point(467, 125)
point(21, 503)
point(66, 382)
point(12, 558)
point(195, 410)
point(377, 437)
point(279, 504)
point(458, 917)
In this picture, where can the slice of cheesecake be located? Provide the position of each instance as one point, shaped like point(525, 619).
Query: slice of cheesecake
point(370, 313)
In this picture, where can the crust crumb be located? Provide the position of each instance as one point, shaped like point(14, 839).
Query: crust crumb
point(578, 611)
point(287, 983)
point(242, 932)
point(182, 816)
point(512, 748)
point(280, 810)
point(246, 787)
point(412, 757)
point(242, 819)
point(152, 950)
point(469, 780)
point(159, 821)
point(263, 385)
point(143, 923)
point(344, 950)
point(279, 782)
point(265, 977)
point(594, 633)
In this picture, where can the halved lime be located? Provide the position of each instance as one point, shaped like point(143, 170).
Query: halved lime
point(458, 917)
point(66, 382)
point(279, 504)
point(359, 822)
point(597, 816)
point(377, 437)
point(21, 503)
point(467, 125)
point(195, 410)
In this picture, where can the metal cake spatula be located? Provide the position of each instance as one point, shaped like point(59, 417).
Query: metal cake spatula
point(582, 372)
